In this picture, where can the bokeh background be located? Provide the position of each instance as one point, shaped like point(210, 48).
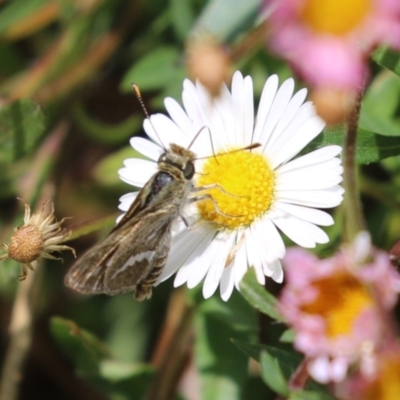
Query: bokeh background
point(67, 113)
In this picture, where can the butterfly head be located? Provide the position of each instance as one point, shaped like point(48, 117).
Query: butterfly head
point(177, 157)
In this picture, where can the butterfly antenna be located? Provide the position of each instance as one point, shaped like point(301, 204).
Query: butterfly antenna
point(136, 91)
point(212, 144)
point(249, 147)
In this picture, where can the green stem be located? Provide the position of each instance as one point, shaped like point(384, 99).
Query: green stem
point(352, 202)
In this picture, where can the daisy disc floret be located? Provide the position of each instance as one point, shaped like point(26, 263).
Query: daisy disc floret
point(248, 195)
point(40, 235)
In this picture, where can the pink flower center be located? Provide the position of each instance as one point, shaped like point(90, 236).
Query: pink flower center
point(340, 300)
point(386, 385)
point(336, 17)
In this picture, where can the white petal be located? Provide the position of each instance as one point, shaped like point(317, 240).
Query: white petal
point(312, 215)
point(253, 256)
point(280, 102)
point(315, 157)
point(267, 98)
point(319, 369)
point(294, 115)
point(301, 232)
point(275, 247)
point(218, 264)
point(146, 147)
point(199, 268)
point(153, 134)
point(304, 135)
point(314, 177)
point(191, 104)
point(179, 116)
point(240, 264)
point(168, 131)
point(127, 200)
point(277, 275)
point(326, 198)
point(227, 283)
point(238, 114)
point(248, 111)
point(183, 245)
point(137, 171)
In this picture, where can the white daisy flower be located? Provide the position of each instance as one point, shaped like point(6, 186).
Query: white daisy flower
point(265, 191)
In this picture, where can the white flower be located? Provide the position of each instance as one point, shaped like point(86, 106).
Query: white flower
point(263, 189)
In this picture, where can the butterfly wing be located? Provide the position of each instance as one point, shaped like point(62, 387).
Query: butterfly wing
point(125, 257)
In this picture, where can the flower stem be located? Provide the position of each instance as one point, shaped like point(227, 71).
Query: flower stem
point(352, 201)
point(173, 350)
point(20, 331)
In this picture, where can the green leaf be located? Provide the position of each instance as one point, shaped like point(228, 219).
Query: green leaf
point(288, 360)
point(388, 58)
point(22, 124)
point(81, 346)
point(182, 16)
point(156, 70)
point(236, 313)
point(106, 133)
point(380, 104)
point(105, 171)
point(115, 371)
point(225, 20)
point(13, 12)
point(310, 395)
point(371, 147)
point(288, 336)
point(272, 373)
point(258, 296)
point(223, 369)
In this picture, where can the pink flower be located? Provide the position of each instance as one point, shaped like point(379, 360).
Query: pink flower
point(335, 305)
point(327, 42)
point(382, 383)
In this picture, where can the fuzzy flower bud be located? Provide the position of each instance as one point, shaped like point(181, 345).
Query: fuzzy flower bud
point(37, 238)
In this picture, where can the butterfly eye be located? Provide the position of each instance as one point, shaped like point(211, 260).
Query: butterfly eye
point(188, 171)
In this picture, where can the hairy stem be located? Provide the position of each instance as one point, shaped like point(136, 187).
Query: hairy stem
point(352, 201)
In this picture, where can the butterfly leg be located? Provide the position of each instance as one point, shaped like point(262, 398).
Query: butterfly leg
point(214, 186)
point(208, 196)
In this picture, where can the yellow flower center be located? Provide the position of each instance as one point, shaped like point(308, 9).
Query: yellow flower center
point(245, 192)
point(336, 17)
point(340, 300)
point(386, 385)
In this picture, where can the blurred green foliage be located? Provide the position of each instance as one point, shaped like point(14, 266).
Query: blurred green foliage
point(66, 117)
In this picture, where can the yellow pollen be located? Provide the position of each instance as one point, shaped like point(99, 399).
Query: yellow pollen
point(386, 385)
point(340, 300)
point(336, 17)
point(248, 188)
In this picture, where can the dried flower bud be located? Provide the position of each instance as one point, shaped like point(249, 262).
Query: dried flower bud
point(333, 105)
point(26, 244)
point(210, 64)
point(37, 238)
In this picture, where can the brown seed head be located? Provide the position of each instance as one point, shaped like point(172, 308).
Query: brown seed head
point(26, 244)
